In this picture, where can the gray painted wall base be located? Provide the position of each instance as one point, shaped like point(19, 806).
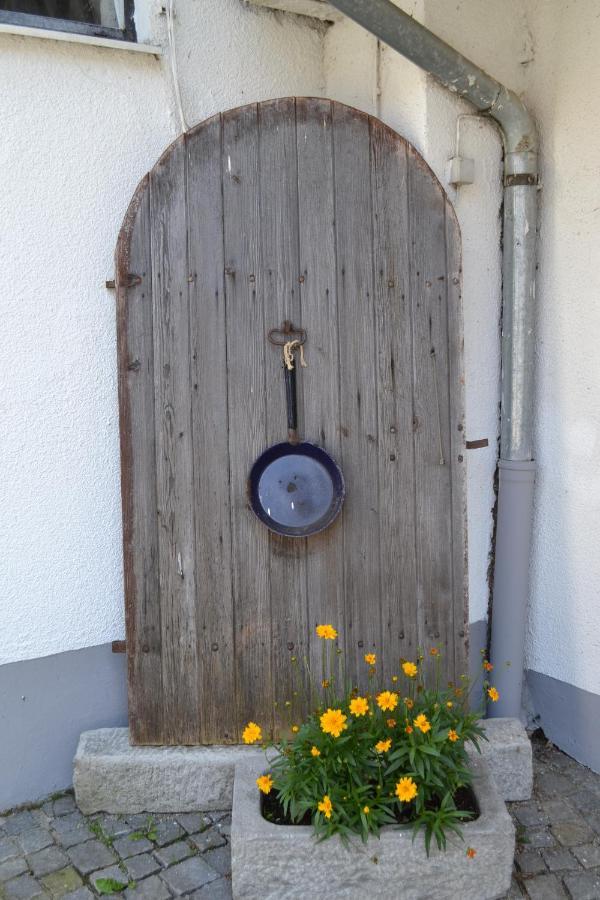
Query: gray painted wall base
point(112, 776)
point(44, 706)
point(569, 717)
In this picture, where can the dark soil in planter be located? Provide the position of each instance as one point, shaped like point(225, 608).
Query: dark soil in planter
point(272, 809)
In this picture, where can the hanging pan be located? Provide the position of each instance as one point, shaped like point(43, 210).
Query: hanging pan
point(296, 488)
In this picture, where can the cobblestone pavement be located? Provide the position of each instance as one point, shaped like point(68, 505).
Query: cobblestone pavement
point(53, 852)
point(558, 830)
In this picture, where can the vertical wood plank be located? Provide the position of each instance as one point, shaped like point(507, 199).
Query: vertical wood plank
point(210, 493)
point(174, 462)
point(427, 259)
point(138, 473)
point(457, 442)
point(280, 296)
point(246, 340)
point(324, 562)
point(358, 409)
point(395, 399)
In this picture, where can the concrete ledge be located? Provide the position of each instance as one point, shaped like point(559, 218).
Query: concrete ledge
point(508, 754)
point(275, 862)
point(112, 776)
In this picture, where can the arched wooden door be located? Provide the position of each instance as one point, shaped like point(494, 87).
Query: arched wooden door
point(301, 209)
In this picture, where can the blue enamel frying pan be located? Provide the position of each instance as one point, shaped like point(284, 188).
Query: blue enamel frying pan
point(296, 488)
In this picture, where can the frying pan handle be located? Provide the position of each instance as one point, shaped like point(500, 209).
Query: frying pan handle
point(291, 404)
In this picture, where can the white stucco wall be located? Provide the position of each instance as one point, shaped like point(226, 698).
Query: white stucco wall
point(81, 125)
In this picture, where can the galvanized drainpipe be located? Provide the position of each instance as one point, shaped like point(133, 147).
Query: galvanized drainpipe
point(516, 466)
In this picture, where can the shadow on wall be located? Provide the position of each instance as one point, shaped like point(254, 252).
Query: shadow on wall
point(45, 704)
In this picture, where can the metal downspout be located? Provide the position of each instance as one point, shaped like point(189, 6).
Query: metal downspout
point(517, 468)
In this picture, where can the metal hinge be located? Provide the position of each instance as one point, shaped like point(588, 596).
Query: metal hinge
point(132, 280)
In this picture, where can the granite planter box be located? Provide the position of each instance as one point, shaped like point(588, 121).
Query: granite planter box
point(275, 862)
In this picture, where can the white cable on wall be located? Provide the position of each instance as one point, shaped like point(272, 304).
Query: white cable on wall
point(173, 61)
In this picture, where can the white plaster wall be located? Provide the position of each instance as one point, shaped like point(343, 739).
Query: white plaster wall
point(562, 89)
point(80, 126)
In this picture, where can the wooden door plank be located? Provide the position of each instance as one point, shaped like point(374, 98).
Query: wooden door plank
point(324, 562)
point(138, 472)
point(174, 460)
point(427, 260)
point(246, 339)
point(356, 323)
point(280, 296)
point(457, 442)
point(208, 320)
point(395, 399)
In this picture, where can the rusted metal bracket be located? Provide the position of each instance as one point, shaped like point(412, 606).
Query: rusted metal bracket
point(280, 336)
point(520, 178)
point(477, 445)
point(132, 280)
point(119, 646)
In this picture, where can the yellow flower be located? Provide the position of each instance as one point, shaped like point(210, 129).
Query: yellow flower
point(295, 729)
point(383, 746)
point(487, 666)
point(387, 700)
point(325, 806)
point(394, 678)
point(452, 735)
point(314, 751)
point(408, 703)
point(366, 810)
point(422, 723)
point(359, 706)
point(325, 683)
point(265, 783)
point(251, 733)
point(370, 658)
point(327, 632)
point(406, 790)
point(333, 722)
point(493, 694)
point(409, 669)
point(391, 723)
point(449, 704)
point(471, 852)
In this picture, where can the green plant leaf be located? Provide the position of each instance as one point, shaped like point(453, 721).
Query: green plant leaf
point(109, 886)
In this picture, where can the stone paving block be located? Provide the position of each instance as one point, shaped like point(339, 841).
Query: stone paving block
point(559, 810)
point(188, 875)
point(19, 822)
point(34, 839)
point(586, 801)
point(65, 881)
point(173, 853)
point(208, 840)
point(583, 885)
point(81, 893)
point(90, 856)
point(570, 833)
point(137, 821)
point(530, 862)
point(545, 887)
point(78, 836)
point(8, 848)
point(132, 846)
point(152, 888)
point(113, 826)
point(45, 861)
point(139, 867)
point(64, 805)
point(538, 837)
point(588, 855)
point(40, 818)
point(168, 831)
point(12, 867)
point(219, 859)
point(515, 892)
point(559, 858)
point(528, 813)
point(23, 888)
point(114, 872)
point(194, 822)
point(68, 822)
point(216, 890)
point(553, 784)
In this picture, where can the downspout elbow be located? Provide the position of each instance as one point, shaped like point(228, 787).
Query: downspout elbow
point(519, 133)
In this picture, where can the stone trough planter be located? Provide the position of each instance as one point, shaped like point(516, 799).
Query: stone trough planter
point(275, 862)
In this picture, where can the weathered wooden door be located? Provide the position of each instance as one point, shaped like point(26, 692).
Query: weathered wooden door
point(308, 210)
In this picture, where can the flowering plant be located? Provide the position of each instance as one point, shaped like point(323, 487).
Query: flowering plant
point(393, 754)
